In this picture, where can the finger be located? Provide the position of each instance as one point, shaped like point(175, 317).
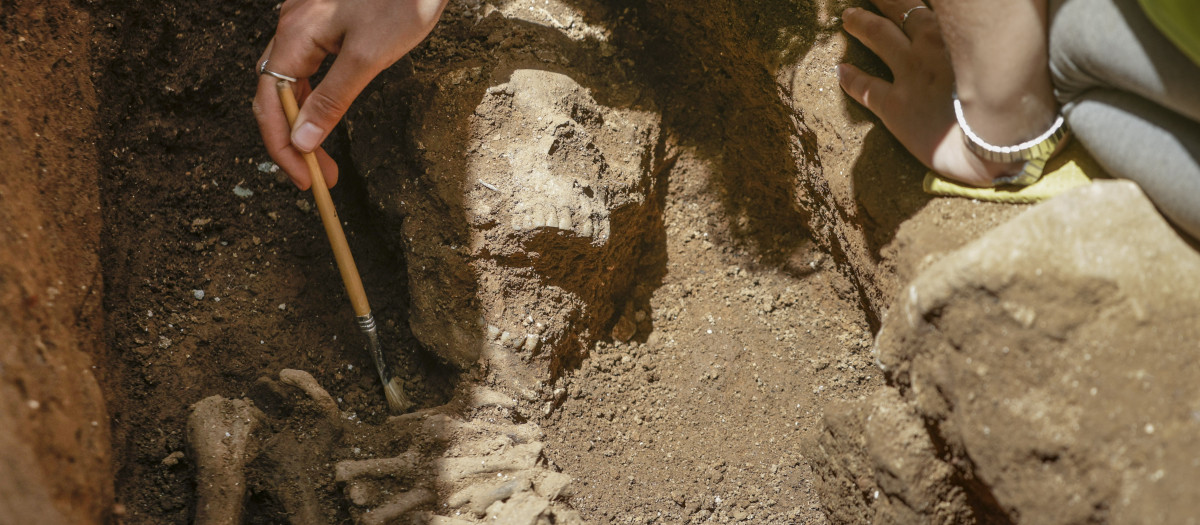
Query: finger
point(272, 123)
point(894, 9)
point(303, 38)
point(329, 101)
point(879, 34)
point(870, 91)
point(329, 168)
point(922, 23)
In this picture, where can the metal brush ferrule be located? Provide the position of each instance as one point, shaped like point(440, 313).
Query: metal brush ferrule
point(366, 324)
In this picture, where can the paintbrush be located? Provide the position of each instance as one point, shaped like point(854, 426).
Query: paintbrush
point(397, 400)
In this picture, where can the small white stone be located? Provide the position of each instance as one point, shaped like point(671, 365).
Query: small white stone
point(531, 342)
point(198, 294)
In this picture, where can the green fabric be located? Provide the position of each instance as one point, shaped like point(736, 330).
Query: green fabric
point(1179, 20)
point(1070, 169)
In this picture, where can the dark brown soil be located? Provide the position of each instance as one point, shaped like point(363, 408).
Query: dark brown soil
point(208, 290)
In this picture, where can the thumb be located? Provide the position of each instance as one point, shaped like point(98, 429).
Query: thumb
point(330, 100)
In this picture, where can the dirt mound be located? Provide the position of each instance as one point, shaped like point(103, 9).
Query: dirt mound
point(1049, 367)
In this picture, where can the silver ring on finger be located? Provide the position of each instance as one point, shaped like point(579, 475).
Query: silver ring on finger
point(262, 70)
point(903, 19)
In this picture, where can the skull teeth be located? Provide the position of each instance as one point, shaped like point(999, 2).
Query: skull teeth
point(542, 216)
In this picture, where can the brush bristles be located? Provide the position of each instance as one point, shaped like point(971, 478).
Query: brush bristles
point(397, 401)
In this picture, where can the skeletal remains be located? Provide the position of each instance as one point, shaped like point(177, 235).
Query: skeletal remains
point(525, 196)
point(490, 469)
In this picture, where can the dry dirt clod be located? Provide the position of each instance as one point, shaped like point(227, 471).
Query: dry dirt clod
point(173, 458)
point(624, 330)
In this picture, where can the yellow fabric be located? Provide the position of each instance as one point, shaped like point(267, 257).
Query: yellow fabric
point(1179, 20)
point(1070, 169)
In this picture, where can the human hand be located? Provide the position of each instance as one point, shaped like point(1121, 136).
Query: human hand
point(366, 35)
point(916, 107)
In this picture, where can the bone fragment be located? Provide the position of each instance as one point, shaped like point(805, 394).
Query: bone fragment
point(220, 433)
point(520, 457)
point(443, 425)
point(429, 518)
point(477, 498)
point(551, 485)
point(522, 509)
point(484, 397)
point(305, 382)
point(390, 512)
point(398, 466)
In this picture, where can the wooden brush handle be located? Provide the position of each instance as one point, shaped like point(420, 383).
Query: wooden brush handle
point(329, 216)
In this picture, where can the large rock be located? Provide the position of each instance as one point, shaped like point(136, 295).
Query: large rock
point(518, 183)
point(1052, 362)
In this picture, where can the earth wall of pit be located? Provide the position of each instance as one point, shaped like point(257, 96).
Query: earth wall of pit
point(54, 429)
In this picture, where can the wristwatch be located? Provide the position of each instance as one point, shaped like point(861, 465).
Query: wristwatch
point(1034, 152)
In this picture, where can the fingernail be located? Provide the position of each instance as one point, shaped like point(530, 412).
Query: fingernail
point(307, 137)
point(841, 73)
point(849, 11)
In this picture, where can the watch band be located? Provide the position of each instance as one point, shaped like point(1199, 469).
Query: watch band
point(1035, 152)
